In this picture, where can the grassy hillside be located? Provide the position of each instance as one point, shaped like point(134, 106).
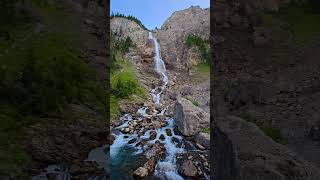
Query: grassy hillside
point(124, 82)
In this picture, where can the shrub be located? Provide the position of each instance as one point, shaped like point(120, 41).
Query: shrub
point(206, 130)
point(124, 85)
point(124, 45)
point(201, 44)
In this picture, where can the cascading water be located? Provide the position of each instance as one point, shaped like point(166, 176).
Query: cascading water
point(127, 144)
point(160, 68)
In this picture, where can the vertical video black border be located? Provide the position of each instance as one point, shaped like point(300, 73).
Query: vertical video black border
point(107, 46)
point(223, 165)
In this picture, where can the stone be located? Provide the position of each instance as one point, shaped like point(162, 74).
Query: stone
point(189, 118)
point(141, 172)
point(188, 169)
point(203, 139)
point(175, 140)
point(200, 146)
point(168, 131)
point(156, 150)
point(156, 124)
point(132, 141)
point(153, 135)
point(249, 142)
point(162, 137)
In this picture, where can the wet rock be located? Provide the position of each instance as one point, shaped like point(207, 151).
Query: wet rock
point(156, 150)
point(175, 140)
point(164, 124)
point(188, 169)
point(162, 137)
point(176, 131)
point(125, 130)
point(150, 165)
point(142, 143)
point(153, 135)
point(132, 141)
point(141, 172)
point(168, 131)
point(203, 139)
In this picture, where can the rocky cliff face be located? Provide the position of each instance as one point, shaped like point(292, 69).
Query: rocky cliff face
point(175, 30)
point(123, 28)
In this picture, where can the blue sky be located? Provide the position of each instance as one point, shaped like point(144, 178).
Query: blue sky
point(153, 13)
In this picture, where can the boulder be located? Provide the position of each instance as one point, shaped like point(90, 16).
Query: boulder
point(203, 139)
point(141, 172)
point(256, 154)
point(157, 150)
point(162, 137)
point(168, 131)
point(188, 169)
point(153, 135)
point(189, 118)
point(146, 170)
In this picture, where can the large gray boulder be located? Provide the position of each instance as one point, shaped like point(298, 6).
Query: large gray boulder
point(189, 118)
point(259, 157)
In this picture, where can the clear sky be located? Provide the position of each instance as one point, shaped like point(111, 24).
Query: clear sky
point(153, 13)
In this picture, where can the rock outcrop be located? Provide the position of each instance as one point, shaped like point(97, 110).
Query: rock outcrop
point(123, 28)
point(189, 118)
point(175, 30)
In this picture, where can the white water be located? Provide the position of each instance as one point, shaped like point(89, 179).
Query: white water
point(167, 168)
point(159, 68)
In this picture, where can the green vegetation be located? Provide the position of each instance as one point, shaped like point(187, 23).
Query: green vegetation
point(206, 130)
point(132, 18)
point(41, 73)
point(123, 81)
point(194, 102)
point(268, 130)
point(301, 21)
point(203, 46)
point(202, 69)
point(124, 45)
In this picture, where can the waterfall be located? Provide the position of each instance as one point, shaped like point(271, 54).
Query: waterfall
point(159, 64)
point(160, 68)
